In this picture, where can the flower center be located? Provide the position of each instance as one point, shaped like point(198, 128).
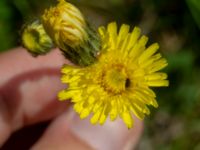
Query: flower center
point(115, 80)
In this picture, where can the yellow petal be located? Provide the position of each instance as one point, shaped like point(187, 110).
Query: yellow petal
point(154, 103)
point(123, 32)
point(146, 91)
point(85, 112)
point(127, 118)
point(78, 107)
point(95, 117)
point(158, 65)
point(138, 73)
point(66, 69)
point(148, 52)
point(141, 96)
point(143, 41)
point(113, 114)
point(150, 61)
point(67, 79)
point(156, 76)
point(138, 48)
point(112, 31)
point(103, 116)
point(140, 105)
point(123, 48)
point(91, 99)
point(97, 105)
point(146, 110)
point(114, 111)
point(102, 119)
point(133, 37)
point(137, 112)
point(102, 31)
point(157, 83)
point(65, 94)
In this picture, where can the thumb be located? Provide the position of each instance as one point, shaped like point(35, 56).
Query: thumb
point(69, 132)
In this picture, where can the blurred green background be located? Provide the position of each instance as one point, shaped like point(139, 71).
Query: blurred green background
point(175, 24)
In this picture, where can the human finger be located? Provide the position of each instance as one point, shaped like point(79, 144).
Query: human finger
point(28, 89)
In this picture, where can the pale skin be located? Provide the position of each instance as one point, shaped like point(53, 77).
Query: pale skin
point(28, 95)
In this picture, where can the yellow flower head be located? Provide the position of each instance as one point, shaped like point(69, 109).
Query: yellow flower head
point(118, 84)
point(65, 25)
point(35, 39)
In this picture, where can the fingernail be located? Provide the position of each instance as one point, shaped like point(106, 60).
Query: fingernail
point(112, 135)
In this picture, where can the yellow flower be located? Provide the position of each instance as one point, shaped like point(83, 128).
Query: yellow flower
point(65, 24)
point(118, 84)
point(35, 39)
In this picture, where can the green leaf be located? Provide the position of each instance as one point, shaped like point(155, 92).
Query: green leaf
point(194, 6)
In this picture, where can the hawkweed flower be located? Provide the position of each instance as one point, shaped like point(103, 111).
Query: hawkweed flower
point(118, 84)
point(35, 39)
point(67, 27)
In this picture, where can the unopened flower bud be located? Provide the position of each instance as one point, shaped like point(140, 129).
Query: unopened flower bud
point(65, 24)
point(35, 39)
point(68, 29)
